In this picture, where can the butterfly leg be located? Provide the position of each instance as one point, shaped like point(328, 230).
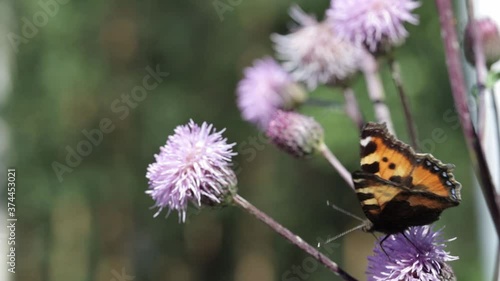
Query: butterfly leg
point(411, 242)
point(382, 247)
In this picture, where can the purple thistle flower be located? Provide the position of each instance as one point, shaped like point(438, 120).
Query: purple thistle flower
point(372, 22)
point(265, 88)
point(314, 54)
point(194, 166)
point(489, 34)
point(404, 262)
point(295, 133)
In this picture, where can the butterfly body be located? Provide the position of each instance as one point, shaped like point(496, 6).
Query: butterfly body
point(398, 188)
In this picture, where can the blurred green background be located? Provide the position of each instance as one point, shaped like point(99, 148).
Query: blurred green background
point(96, 222)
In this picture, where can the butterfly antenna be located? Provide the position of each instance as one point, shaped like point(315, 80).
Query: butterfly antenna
point(342, 234)
point(344, 211)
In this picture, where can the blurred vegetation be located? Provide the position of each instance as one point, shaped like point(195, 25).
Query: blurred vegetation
point(97, 223)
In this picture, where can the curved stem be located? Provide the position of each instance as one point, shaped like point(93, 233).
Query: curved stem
point(343, 172)
point(496, 118)
point(481, 69)
point(294, 239)
point(457, 81)
point(477, 47)
point(376, 91)
point(398, 82)
point(481, 113)
point(496, 272)
point(352, 108)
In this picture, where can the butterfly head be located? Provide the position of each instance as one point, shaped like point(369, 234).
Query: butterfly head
point(367, 226)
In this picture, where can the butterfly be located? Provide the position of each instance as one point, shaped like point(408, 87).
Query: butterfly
point(399, 188)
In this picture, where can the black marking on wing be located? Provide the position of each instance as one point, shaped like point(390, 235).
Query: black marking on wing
point(371, 207)
point(371, 168)
point(364, 196)
point(368, 149)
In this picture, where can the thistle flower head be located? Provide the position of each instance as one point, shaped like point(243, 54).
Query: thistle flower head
point(266, 87)
point(489, 34)
point(314, 54)
point(373, 23)
point(194, 166)
point(421, 259)
point(295, 133)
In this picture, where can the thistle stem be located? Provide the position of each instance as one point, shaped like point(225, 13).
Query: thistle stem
point(496, 272)
point(482, 76)
point(376, 91)
point(481, 113)
point(343, 172)
point(398, 82)
point(294, 239)
point(457, 81)
point(352, 108)
point(496, 115)
point(481, 69)
point(477, 47)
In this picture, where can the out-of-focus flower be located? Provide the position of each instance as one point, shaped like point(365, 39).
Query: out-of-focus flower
point(489, 34)
point(295, 133)
point(424, 258)
point(265, 88)
point(194, 166)
point(314, 54)
point(378, 24)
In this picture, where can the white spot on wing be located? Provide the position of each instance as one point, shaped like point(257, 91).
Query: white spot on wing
point(365, 141)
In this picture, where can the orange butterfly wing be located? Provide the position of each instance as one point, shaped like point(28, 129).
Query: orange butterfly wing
point(397, 187)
